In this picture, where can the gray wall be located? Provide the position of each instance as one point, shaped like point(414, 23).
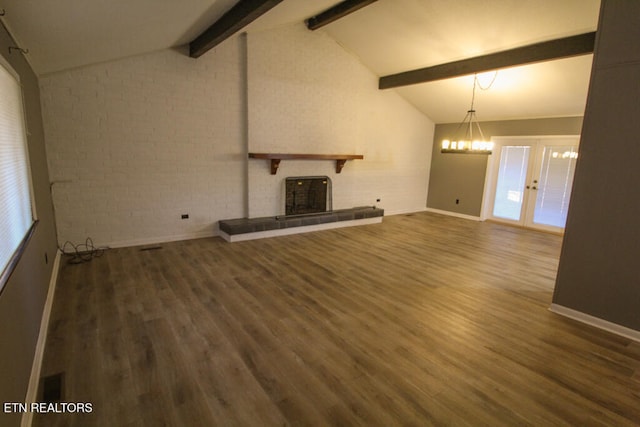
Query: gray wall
point(462, 176)
point(22, 299)
point(598, 272)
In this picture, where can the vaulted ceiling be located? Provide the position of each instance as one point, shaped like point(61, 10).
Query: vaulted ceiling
point(388, 36)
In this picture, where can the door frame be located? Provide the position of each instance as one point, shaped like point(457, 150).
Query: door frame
point(491, 175)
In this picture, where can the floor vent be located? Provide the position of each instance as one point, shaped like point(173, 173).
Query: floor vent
point(151, 248)
point(52, 387)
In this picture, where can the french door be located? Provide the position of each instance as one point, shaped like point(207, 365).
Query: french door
point(531, 183)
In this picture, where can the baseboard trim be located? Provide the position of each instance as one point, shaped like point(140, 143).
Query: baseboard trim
point(163, 239)
point(404, 211)
point(456, 214)
point(34, 379)
point(232, 238)
point(596, 322)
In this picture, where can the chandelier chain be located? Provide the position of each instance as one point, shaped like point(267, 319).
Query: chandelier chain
point(495, 75)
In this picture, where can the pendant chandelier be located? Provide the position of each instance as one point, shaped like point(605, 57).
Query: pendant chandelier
point(468, 144)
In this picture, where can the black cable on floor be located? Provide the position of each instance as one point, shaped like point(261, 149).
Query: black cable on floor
point(83, 252)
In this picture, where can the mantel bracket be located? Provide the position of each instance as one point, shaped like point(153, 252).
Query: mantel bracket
point(340, 164)
point(275, 164)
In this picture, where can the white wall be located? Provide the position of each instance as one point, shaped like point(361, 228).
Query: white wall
point(134, 143)
point(308, 95)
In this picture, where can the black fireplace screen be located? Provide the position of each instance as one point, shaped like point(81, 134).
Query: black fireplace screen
point(307, 195)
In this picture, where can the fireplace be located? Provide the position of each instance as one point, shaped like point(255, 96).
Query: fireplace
point(306, 195)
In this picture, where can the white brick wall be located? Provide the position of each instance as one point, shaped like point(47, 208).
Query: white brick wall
point(308, 95)
point(134, 143)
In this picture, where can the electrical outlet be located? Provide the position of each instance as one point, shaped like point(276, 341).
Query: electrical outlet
point(185, 216)
point(457, 201)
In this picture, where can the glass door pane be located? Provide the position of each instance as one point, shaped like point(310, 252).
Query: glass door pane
point(554, 188)
point(512, 175)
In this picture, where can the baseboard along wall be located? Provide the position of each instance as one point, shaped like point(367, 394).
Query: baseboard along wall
point(579, 316)
point(34, 379)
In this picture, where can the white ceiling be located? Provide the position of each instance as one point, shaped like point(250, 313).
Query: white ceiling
point(388, 36)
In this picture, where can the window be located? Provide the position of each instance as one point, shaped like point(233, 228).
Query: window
point(16, 214)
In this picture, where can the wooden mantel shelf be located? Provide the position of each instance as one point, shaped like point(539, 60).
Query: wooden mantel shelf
point(275, 158)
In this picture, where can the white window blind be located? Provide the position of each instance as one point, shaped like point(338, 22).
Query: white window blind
point(16, 215)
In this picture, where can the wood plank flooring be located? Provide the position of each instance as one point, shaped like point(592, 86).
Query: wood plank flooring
point(421, 320)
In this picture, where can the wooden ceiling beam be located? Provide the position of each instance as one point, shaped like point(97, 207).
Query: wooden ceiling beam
point(336, 12)
point(582, 44)
point(236, 18)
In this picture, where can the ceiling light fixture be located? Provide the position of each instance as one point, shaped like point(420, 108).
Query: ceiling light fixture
point(469, 145)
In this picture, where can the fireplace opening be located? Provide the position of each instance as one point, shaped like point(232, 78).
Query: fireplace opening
point(307, 195)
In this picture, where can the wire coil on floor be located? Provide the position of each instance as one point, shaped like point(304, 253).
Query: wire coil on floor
point(83, 252)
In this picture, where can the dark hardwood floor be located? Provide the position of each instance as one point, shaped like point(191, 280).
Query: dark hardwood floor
point(421, 320)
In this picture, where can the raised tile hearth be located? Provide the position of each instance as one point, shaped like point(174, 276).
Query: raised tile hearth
point(234, 230)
